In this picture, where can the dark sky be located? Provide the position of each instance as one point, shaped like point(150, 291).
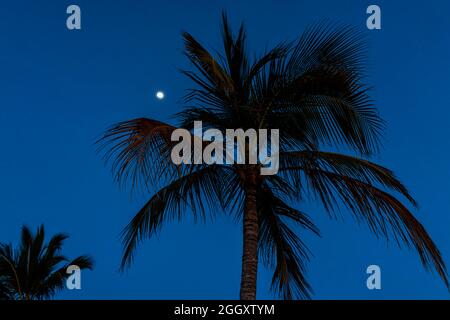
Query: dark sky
point(60, 89)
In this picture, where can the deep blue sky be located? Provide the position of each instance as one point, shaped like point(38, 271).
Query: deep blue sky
point(60, 89)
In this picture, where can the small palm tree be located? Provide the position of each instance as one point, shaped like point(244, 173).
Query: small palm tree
point(35, 270)
point(312, 91)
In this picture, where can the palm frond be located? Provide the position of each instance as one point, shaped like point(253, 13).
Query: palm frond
point(197, 190)
point(345, 165)
point(318, 90)
point(384, 214)
point(281, 248)
point(139, 151)
point(211, 76)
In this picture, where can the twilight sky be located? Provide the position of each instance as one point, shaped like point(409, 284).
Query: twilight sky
point(60, 89)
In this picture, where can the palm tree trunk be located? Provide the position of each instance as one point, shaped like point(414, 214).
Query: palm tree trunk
point(250, 243)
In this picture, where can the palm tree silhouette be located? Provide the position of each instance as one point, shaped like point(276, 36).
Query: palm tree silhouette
point(35, 270)
point(312, 91)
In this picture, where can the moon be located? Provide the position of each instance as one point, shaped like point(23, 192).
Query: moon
point(160, 95)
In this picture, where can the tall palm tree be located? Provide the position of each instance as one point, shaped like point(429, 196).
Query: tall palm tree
point(35, 270)
point(312, 90)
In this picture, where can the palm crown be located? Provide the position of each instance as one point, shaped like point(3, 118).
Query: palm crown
point(35, 270)
point(312, 91)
